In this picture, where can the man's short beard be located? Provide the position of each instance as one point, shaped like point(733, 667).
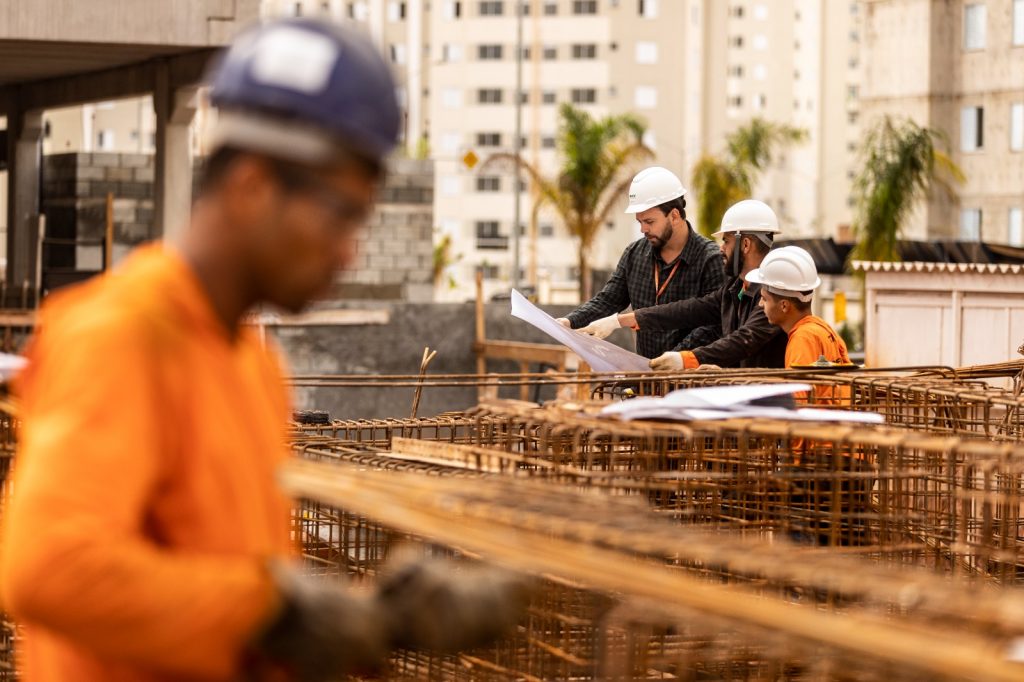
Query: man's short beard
point(659, 242)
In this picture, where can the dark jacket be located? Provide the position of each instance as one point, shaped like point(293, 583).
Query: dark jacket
point(748, 339)
point(700, 272)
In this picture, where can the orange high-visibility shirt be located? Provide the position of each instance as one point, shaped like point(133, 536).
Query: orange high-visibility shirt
point(144, 504)
point(809, 339)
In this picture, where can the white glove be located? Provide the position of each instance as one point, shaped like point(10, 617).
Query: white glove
point(670, 360)
point(603, 327)
point(564, 321)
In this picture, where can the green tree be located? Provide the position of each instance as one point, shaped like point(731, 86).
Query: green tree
point(902, 161)
point(597, 168)
point(721, 181)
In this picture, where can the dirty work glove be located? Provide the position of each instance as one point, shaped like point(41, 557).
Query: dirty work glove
point(603, 327)
point(671, 360)
point(322, 631)
point(435, 605)
point(709, 367)
point(564, 321)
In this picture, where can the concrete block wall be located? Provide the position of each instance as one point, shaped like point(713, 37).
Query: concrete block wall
point(74, 192)
point(396, 253)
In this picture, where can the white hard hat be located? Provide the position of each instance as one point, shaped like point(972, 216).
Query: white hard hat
point(653, 187)
point(749, 215)
point(788, 271)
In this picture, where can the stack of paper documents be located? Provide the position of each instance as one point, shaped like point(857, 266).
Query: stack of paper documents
point(731, 402)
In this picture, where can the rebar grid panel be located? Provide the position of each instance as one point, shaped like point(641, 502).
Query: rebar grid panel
point(897, 495)
point(934, 400)
point(601, 625)
point(453, 427)
point(10, 633)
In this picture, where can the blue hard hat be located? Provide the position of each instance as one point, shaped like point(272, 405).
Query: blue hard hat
point(304, 89)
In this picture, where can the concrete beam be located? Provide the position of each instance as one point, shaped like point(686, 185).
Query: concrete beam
point(175, 108)
point(24, 153)
point(125, 81)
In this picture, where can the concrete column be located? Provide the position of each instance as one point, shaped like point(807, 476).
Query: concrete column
point(172, 189)
point(24, 154)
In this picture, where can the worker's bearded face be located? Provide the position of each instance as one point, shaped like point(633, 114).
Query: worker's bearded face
point(312, 234)
point(655, 226)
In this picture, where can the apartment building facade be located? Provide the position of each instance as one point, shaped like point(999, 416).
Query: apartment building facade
point(694, 70)
point(795, 62)
point(956, 66)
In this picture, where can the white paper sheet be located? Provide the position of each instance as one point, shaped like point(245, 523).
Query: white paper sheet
point(601, 355)
point(730, 402)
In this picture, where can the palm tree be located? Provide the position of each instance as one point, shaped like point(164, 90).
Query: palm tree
point(593, 179)
point(902, 161)
point(719, 182)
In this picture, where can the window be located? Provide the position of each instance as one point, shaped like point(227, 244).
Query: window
point(489, 51)
point(736, 41)
point(488, 96)
point(549, 97)
point(852, 91)
point(970, 224)
point(488, 237)
point(736, 11)
point(649, 140)
point(851, 116)
point(488, 183)
point(550, 9)
point(646, 53)
point(760, 102)
point(760, 73)
point(488, 139)
point(452, 53)
point(550, 52)
point(760, 42)
point(648, 9)
point(297, 9)
point(972, 127)
point(396, 11)
point(360, 11)
point(1017, 126)
point(1018, 22)
point(736, 71)
point(853, 63)
point(492, 9)
point(546, 230)
point(974, 27)
point(453, 9)
point(735, 102)
point(1015, 227)
point(584, 51)
point(645, 97)
point(451, 98)
point(761, 12)
point(490, 271)
point(105, 140)
point(398, 54)
point(524, 97)
point(584, 6)
point(583, 95)
point(547, 142)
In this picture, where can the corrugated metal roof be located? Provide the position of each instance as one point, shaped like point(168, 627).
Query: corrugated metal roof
point(919, 266)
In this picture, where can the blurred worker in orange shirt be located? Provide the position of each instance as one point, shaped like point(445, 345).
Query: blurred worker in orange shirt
point(147, 539)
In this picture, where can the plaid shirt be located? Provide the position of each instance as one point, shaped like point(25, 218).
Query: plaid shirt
point(632, 284)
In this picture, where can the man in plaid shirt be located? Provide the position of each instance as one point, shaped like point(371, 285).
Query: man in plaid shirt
point(670, 263)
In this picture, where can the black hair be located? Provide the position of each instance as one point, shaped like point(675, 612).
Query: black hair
point(802, 306)
point(679, 203)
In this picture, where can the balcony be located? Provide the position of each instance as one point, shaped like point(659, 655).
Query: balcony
point(493, 243)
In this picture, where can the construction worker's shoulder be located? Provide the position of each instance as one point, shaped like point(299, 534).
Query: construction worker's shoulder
point(124, 301)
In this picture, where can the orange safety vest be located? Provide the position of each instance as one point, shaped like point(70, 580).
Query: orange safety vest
point(144, 505)
point(809, 339)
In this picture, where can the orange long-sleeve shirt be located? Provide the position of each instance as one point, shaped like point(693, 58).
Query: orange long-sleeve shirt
point(809, 339)
point(144, 502)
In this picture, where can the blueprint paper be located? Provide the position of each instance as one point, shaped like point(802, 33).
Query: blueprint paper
point(601, 355)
